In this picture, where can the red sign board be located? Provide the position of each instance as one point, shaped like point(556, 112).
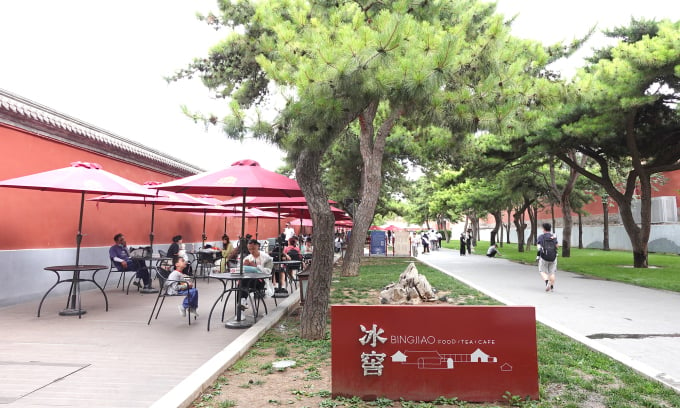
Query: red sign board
point(419, 353)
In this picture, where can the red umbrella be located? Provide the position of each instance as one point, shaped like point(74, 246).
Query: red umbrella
point(160, 197)
point(302, 211)
point(270, 202)
point(344, 223)
point(304, 222)
point(251, 213)
point(204, 210)
point(242, 178)
point(83, 178)
point(392, 228)
point(375, 228)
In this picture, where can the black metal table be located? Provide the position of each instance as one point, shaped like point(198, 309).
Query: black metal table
point(205, 259)
point(73, 304)
point(240, 321)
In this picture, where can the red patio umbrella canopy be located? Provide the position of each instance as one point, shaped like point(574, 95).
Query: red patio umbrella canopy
point(240, 179)
point(80, 177)
point(160, 197)
point(304, 222)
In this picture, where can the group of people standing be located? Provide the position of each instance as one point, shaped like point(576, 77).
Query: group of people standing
point(466, 242)
point(430, 241)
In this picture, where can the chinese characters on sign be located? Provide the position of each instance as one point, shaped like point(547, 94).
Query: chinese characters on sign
point(372, 362)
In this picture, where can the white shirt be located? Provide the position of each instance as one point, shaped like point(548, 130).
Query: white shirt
point(264, 262)
point(289, 232)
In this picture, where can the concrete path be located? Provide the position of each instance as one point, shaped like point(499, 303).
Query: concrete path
point(114, 359)
point(637, 326)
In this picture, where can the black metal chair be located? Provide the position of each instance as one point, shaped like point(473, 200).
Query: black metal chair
point(163, 275)
point(164, 263)
point(114, 269)
point(204, 263)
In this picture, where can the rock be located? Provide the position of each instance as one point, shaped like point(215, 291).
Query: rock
point(412, 288)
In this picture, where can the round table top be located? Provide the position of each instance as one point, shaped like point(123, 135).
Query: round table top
point(235, 276)
point(151, 258)
point(75, 267)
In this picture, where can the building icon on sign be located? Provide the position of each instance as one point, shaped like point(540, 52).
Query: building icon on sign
point(433, 360)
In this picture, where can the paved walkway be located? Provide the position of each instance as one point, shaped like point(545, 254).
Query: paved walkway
point(637, 326)
point(114, 359)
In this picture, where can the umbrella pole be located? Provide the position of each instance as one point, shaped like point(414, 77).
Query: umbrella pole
point(278, 211)
point(225, 225)
point(243, 234)
point(257, 226)
point(79, 235)
point(153, 213)
point(203, 236)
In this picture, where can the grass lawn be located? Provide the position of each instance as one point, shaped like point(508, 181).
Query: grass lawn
point(570, 374)
point(663, 273)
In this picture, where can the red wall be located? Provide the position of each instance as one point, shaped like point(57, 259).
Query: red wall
point(36, 219)
point(671, 187)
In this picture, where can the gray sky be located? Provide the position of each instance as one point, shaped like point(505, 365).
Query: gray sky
point(104, 62)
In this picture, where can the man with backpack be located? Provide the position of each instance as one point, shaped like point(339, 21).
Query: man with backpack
point(547, 256)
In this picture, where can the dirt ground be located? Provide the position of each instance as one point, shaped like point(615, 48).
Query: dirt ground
point(254, 383)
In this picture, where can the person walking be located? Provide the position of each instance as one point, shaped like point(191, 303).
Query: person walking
point(414, 244)
point(462, 243)
point(426, 243)
point(547, 256)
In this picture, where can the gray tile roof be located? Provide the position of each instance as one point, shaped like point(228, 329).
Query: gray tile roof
point(44, 122)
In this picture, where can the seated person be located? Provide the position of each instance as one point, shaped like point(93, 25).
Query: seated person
point(260, 260)
point(493, 251)
point(180, 284)
point(120, 256)
point(307, 248)
point(227, 252)
point(290, 253)
point(173, 250)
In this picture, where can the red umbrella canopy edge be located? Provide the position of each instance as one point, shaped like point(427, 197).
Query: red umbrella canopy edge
point(244, 177)
point(80, 177)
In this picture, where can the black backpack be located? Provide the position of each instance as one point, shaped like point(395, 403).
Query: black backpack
point(549, 248)
point(294, 255)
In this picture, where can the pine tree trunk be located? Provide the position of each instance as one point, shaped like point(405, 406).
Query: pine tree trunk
point(519, 227)
point(315, 312)
point(580, 231)
point(498, 222)
point(372, 148)
point(605, 220)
